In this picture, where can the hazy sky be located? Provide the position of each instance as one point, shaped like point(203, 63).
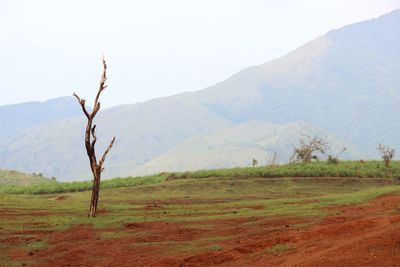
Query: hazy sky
point(154, 47)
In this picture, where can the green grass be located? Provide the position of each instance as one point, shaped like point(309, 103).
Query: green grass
point(368, 169)
point(351, 169)
point(191, 200)
point(215, 248)
point(51, 187)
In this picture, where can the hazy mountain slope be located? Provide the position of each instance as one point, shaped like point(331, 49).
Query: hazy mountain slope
point(14, 118)
point(237, 146)
point(346, 82)
point(144, 131)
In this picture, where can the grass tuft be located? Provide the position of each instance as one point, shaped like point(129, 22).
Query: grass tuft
point(278, 248)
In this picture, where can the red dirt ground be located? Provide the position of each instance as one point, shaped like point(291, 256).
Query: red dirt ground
point(361, 235)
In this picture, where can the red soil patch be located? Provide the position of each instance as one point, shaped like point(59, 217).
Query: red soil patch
point(360, 235)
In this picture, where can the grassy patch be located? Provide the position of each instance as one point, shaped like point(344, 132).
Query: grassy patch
point(191, 200)
point(368, 169)
point(52, 187)
point(349, 169)
point(115, 234)
point(188, 247)
point(33, 246)
point(278, 248)
point(7, 261)
point(215, 248)
point(200, 226)
point(10, 177)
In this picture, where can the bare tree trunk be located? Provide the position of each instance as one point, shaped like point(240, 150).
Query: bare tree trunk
point(95, 196)
point(90, 142)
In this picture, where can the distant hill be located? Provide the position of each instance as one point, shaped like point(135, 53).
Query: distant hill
point(236, 146)
point(346, 82)
point(8, 177)
point(19, 117)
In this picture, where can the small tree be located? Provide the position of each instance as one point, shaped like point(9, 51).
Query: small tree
point(335, 159)
point(309, 149)
point(254, 162)
point(387, 154)
point(272, 160)
point(90, 142)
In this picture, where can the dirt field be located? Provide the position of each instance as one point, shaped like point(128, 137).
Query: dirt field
point(319, 233)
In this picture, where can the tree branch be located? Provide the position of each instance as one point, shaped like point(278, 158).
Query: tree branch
point(93, 131)
point(82, 103)
point(95, 109)
point(102, 86)
point(105, 153)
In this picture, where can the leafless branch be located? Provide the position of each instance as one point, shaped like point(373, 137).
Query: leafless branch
point(106, 152)
point(82, 102)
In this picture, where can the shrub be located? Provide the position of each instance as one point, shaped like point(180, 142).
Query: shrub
point(335, 159)
point(255, 162)
point(272, 160)
point(332, 160)
point(309, 148)
point(387, 154)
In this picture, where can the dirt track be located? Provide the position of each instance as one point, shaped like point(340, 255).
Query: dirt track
point(363, 235)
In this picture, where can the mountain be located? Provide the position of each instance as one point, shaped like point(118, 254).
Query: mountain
point(346, 83)
point(57, 148)
point(19, 117)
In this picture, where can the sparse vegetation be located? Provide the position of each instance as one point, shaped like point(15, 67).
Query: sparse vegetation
point(215, 248)
point(278, 248)
point(139, 215)
point(332, 160)
point(366, 169)
point(335, 159)
point(254, 162)
point(387, 154)
point(310, 149)
point(195, 200)
point(272, 160)
point(10, 177)
point(52, 187)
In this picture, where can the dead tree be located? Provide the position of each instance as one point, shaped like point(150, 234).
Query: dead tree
point(90, 142)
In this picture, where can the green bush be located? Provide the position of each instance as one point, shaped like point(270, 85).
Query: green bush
point(332, 160)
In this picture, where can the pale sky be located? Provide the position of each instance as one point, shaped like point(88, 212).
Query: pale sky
point(154, 48)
